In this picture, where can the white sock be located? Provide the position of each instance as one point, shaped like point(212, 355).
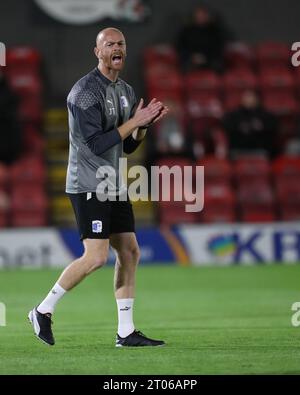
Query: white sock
point(125, 321)
point(49, 303)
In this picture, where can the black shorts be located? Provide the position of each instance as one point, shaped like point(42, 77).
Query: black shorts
point(97, 220)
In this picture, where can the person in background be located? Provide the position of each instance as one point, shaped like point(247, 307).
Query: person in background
point(201, 43)
point(250, 127)
point(11, 140)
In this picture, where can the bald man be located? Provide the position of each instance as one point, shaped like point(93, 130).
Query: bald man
point(104, 122)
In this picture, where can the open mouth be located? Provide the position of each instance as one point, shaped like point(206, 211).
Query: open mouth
point(117, 59)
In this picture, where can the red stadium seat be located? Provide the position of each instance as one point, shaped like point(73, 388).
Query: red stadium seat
point(169, 82)
point(159, 70)
point(170, 161)
point(33, 142)
point(297, 80)
point(166, 96)
point(208, 138)
point(4, 208)
point(28, 170)
point(219, 193)
point(288, 195)
point(205, 81)
point(286, 108)
point(288, 191)
point(216, 170)
point(235, 83)
point(219, 203)
point(276, 81)
point(3, 176)
point(173, 215)
point(239, 80)
point(162, 53)
point(28, 199)
point(258, 215)
point(202, 95)
point(203, 125)
point(286, 167)
point(180, 161)
point(288, 213)
point(221, 143)
point(3, 220)
point(30, 109)
point(255, 193)
point(252, 168)
point(256, 201)
point(23, 59)
point(29, 219)
point(24, 83)
point(204, 105)
point(280, 104)
point(273, 54)
point(232, 100)
point(218, 214)
point(28, 87)
point(177, 188)
point(28, 206)
point(239, 55)
point(23, 75)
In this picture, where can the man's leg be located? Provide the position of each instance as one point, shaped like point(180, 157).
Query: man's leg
point(94, 257)
point(127, 258)
point(128, 255)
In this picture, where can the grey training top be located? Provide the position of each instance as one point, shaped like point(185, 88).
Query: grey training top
point(96, 107)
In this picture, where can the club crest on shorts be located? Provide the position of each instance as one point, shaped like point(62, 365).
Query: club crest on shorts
point(124, 101)
point(97, 226)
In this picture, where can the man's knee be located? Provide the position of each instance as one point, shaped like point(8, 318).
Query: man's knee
point(95, 255)
point(129, 255)
point(94, 263)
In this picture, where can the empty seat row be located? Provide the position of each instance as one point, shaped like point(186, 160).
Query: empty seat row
point(237, 55)
point(248, 190)
point(23, 198)
point(23, 72)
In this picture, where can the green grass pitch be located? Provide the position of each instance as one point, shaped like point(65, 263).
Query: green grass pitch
point(215, 320)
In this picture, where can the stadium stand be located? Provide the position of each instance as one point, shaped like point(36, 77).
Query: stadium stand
point(4, 198)
point(250, 188)
point(25, 178)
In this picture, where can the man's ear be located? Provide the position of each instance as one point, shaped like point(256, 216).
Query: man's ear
point(96, 52)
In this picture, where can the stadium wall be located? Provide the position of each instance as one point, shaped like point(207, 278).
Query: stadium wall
point(198, 245)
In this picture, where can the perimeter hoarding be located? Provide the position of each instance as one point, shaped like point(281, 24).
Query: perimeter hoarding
point(200, 245)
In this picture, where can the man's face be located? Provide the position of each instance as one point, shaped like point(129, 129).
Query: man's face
point(201, 16)
point(111, 50)
point(249, 100)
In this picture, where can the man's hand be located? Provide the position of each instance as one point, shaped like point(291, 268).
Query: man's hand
point(154, 107)
point(143, 116)
point(164, 111)
point(154, 111)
